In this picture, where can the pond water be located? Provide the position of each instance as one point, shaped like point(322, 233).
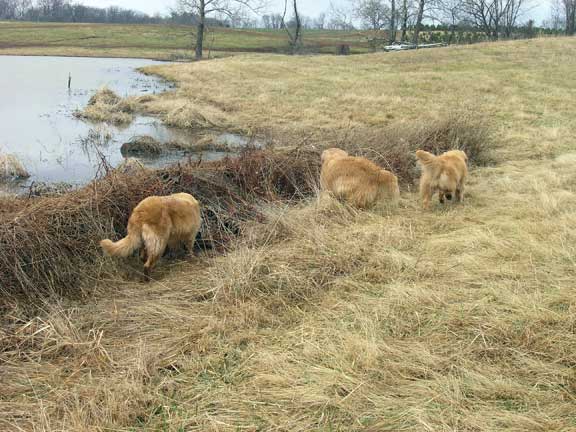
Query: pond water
point(38, 126)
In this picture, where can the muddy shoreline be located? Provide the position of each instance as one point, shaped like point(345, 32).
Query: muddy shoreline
point(43, 134)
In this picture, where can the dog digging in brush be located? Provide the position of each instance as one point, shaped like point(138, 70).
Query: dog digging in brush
point(444, 174)
point(357, 180)
point(158, 222)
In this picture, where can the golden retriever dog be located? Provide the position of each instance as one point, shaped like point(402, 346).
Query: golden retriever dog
point(357, 180)
point(155, 223)
point(444, 174)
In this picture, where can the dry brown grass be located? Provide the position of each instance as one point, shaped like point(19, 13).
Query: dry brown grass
point(524, 87)
point(11, 168)
point(49, 244)
point(47, 240)
point(325, 318)
point(106, 106)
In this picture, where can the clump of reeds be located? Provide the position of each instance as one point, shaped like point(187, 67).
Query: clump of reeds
point(464, 130)
point(12, 168)
point(203, 143)
point(104, 96)
point(130, 166)
point(393, 147)
point(190, 118)
point(107, 106)
point(141, 145)
point(50, 244)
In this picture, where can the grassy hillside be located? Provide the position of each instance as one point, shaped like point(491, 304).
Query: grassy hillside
point(155, 41)
point(521, 87)
point(462, 318)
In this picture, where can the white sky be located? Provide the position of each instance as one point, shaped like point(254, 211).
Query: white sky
point(540, 11)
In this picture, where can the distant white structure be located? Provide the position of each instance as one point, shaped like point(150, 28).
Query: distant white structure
point(400, 46)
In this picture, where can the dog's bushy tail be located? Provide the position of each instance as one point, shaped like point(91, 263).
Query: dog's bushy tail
point(125, 247)
point(424, 157)
point(389, 190)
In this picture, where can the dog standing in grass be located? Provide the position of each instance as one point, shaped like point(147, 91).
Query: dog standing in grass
point(155, 223)
point(444, 174)
point(357, 180)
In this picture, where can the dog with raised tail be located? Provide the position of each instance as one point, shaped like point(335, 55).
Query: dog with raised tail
point(357, 180)
point(444, 174)
point(158, 222)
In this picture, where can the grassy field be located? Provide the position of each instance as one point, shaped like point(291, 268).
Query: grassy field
point(521, 87)
point(156, 41)
point(462, 318)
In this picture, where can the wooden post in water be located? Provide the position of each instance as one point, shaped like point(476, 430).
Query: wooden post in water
point(69, 80)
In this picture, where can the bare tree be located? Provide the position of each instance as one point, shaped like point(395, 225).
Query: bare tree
point(418, 25)
point(267, 21)
point(201, 9)
point(569, 7)
point(70, 11)
point(406, 5)
point(557, 16)
point(494, 17)
point(8, 9)
point(340, 18)
point(449, 12)
point(320, 21)
point(374, 14)
point(277, 21)
point(392, 28)
point(484, 15)
point(294, 30)
point(511, 11)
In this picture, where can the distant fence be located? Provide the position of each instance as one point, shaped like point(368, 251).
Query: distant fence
point(440, 38)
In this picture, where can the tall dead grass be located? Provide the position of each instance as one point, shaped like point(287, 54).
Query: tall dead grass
point(320, 317)
point(323, 317)
point(50, 244)
point(106, 106)
point(12, 168)
point(525, 95)
point(393, 146)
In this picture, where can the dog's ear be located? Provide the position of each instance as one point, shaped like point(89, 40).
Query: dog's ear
point(332, 152)
point(424, 157)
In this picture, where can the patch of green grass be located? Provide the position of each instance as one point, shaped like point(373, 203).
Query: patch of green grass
point(158, 41)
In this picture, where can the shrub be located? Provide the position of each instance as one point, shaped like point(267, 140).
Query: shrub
point(50, 244)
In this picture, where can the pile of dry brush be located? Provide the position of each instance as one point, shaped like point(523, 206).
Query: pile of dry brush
point(49, 245)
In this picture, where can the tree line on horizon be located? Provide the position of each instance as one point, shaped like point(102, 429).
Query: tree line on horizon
point(389, 21)
point(491, 16)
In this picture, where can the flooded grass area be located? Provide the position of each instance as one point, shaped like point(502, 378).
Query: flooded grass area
point(41, 131)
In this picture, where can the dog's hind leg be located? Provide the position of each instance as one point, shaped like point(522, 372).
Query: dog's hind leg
point(460, 193)
point(190, 244)
point(425, 194)
point(174, 248)
point(155, 244)
point(441, 197)
point(142, 254)
point(191, 240)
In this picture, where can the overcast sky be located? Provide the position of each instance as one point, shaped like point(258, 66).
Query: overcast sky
point(540, 11)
